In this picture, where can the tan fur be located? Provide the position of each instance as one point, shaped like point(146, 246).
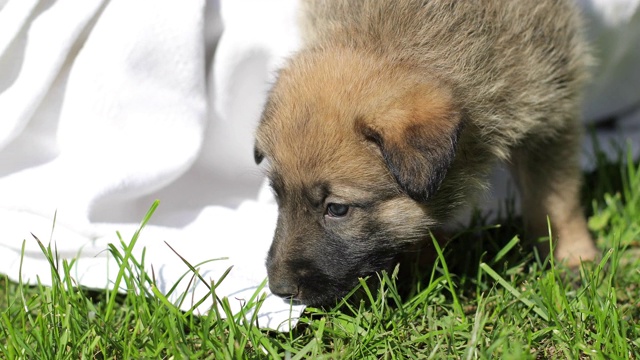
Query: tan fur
point(398, 110)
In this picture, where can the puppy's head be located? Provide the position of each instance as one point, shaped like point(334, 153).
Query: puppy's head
point(356, 149)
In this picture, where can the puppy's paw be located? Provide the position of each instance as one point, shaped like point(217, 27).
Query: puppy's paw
point(574, 252)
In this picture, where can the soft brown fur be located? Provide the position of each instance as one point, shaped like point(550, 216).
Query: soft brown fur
point(398, 110)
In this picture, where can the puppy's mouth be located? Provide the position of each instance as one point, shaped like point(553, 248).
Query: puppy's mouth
point(316, 300)
point(314, 294)
point(305, 281)
point(292, 300)
point(317, 295)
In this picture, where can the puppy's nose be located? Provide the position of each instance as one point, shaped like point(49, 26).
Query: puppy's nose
point(283, 288)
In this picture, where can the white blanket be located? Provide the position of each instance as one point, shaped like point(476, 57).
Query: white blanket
point(107, 105)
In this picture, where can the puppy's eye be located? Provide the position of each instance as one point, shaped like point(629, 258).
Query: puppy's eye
point(337, 210)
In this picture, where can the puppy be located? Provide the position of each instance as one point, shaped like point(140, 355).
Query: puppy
point(389, 119)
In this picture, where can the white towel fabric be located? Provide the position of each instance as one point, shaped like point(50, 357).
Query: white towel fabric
point(106, 105)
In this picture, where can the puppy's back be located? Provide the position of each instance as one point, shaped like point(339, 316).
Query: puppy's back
point(514, 66)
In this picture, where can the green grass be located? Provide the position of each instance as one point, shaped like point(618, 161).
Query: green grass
point(494, 301)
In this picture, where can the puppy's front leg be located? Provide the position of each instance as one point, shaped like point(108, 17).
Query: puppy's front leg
point(548, 174)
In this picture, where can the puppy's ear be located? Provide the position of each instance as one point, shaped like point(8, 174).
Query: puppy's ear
point(417, 136)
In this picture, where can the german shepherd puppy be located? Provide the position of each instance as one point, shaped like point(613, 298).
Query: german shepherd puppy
point(390, 117)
